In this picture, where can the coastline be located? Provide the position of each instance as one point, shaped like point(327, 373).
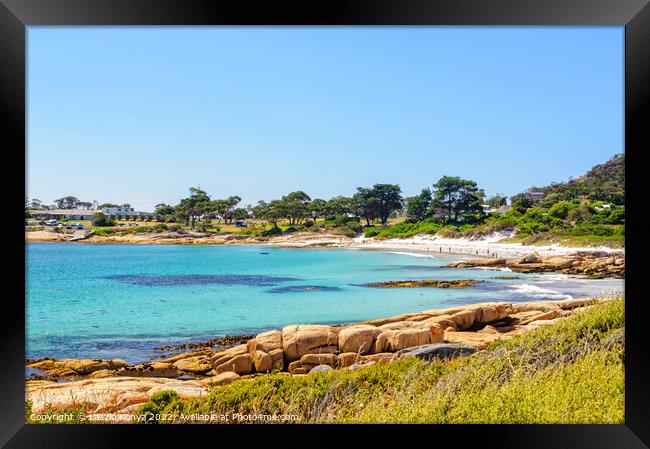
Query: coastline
point(295, 350)
point(488, 247)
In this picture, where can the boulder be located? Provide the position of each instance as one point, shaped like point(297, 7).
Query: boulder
point(436, 350)
point(263, 361)
point(382, 357)
point(321, 369)
point(530, 258)
point(360, 365)
point(487, 313)
point(358, 339)
point(559, 263)
point(294, 365)
point(240, 364)
point(224, 378)
point(266, 341)
point(298, 339)
point(154, 369)
point(464, 319)
point(476, 340)
point(405, 334)
point(330, 349)
point(348, 358)
point(277, 359)
point(223, 356)
point(550, 315)
point(111, 394)
point(101, 373)
point(196, 365)
point(319, 359)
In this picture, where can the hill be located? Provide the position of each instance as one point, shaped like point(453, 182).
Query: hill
point(604, 182)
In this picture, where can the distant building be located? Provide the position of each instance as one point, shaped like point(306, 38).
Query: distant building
point(535, 195)
point(495, 210)
point(118, 210)
point(67, 214)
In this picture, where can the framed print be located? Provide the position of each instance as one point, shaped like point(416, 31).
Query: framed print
point(352, 213)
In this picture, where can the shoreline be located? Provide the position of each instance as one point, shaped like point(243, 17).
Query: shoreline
point(295, 350)
point(488, 247)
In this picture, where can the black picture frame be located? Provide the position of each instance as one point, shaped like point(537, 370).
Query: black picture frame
point(634, 15)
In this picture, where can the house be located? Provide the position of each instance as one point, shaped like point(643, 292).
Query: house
point(118, 210)
point(535, 195)
point(60, 214)
point(495, 210)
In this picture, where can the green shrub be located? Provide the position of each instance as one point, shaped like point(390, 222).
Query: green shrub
point(101, 220)
point(273, 231)
point(561, 209)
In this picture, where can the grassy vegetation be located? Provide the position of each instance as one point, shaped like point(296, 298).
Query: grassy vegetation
point(571, 372)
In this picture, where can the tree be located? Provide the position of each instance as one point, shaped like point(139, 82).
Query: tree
point(521, 203)
point(84, 205)
point(417, 207)
point(101, 219)
point(192, 207)
point(125, 206)
point(67, 202)
point(318, 208)
point(497, 201)
point(379, 201)
point(456, 197)
point(580, 214)
point(295, 206)
point(163, 209)
point(36, 203)
point(106, 205)
point(271, 212)
point(366, 204)
point(340, 205)
point(561, 209)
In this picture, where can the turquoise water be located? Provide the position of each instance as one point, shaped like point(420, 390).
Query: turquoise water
point(87, 300)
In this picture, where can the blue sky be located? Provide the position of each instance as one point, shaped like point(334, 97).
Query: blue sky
point(140, 114)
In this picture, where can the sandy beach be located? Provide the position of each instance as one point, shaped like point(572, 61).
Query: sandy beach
point(488, 246)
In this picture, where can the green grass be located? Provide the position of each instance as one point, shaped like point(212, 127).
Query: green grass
point(571, 372)
point(402, 230)
point(566, 239)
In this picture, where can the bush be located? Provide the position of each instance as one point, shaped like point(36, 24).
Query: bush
point(272, 232)
point(100, 219)
point(561, 209)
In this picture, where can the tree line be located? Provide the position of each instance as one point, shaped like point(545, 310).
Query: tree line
point(450, 200)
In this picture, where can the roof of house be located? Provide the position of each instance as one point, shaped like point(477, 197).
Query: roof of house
point(64, 211)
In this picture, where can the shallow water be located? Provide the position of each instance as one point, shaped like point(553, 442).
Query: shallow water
point(107, 301)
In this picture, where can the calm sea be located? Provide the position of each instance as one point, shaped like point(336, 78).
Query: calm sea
point(108, 301)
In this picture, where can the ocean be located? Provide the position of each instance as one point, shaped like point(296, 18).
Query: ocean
point(121, 301)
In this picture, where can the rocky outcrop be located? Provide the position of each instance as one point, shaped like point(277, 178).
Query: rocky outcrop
point(106, 395)
point(295, 350)
point(70, 368)
point(460, 283)
point(596, 265)
point(298, 339)
point(357, 339)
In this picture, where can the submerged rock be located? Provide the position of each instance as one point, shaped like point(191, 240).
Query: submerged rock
point(460, 283)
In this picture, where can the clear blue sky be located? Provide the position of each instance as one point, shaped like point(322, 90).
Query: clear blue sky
point(140, 114)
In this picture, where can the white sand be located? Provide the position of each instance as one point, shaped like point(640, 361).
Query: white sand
point(484, 247)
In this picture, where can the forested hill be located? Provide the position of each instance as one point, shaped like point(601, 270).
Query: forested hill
point(604, 182)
